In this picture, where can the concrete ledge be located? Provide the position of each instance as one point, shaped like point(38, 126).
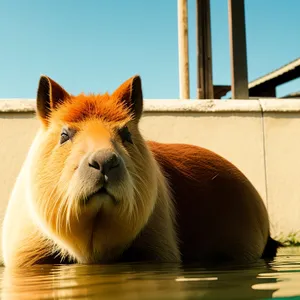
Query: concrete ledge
point(202, 106)
point(191, 105)
point(280, 105)
point(17, 105)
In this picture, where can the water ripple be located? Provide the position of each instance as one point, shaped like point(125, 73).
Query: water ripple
point(278, 279)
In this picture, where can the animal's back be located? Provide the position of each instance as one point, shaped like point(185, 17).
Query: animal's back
point(220, 214)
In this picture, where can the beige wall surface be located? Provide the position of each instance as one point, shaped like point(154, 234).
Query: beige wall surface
point(282, 140)
point(261, 137)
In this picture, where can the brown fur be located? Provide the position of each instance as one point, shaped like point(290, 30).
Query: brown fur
point(206, 186)
point(219, 215)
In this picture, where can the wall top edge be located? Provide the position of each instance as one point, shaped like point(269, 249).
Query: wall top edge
point(174, 105)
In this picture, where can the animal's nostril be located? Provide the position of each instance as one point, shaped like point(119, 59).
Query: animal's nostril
point(104, 161)
point(112, 161)
point(94, 164)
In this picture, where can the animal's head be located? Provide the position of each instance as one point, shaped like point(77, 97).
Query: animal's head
point(93, 179)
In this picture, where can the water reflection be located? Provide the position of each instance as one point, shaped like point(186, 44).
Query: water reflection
point(286, 275)
point(280, 278)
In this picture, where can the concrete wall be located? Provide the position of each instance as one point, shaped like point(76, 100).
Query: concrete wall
point(261, 137)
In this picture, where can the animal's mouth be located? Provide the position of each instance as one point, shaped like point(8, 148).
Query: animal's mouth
point(102, 192)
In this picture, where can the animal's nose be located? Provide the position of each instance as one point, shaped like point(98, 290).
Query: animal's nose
point(104, 161)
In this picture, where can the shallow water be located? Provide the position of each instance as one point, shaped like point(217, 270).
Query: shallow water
point(278, 279)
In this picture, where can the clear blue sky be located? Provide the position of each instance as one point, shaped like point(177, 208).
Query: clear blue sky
point(94, 45)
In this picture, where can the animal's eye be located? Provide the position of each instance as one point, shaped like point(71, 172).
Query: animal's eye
point(125, 135)
point(66, 134)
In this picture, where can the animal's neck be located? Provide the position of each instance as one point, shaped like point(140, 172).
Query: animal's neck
point(158, 240)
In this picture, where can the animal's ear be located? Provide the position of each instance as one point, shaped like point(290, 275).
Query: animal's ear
point(49, 95)
point(131, 94)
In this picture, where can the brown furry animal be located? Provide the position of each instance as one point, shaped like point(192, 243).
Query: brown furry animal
point(92, 190)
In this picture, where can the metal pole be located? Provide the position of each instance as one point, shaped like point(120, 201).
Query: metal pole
point(183, 50)
point(208, 56)
point(200, 51)
point(204, 56)
point(238, 49)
